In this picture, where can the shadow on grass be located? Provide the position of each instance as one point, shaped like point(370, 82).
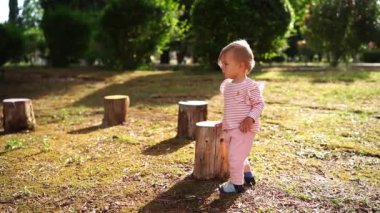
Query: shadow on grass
point(167, 146)
point(34, 82)
point(190, 195)
point(163, 88)
point(87, 129)
point(328, 76)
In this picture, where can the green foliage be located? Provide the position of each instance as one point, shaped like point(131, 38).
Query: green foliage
point(35, 43)
point(300, 8)
point(340, 27)
point(83, 5)
point(371, 56)
point(67, 33)
point(181, 39)
point(12, 43)
point(13, 144)
point(31, 13)
point(132, 30)
point(215, 23)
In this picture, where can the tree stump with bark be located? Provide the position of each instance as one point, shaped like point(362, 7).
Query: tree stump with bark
point(115, 109)
point(18, 115)
point(189, 113)
point(211, 152)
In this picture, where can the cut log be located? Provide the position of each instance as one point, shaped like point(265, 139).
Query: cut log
point(189, 113)
point(115, 109)
point(18, 115)
point(211, 154)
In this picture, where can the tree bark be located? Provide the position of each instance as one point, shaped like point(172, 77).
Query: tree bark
point(115, 109)
point(165, 57)
point(18, 115)
point(211, 154)
point(189, 113)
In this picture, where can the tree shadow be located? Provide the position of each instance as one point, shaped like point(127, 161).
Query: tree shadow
point(87, 129)
point(36, 82)
point(163, 88)
point(190, 195)
point(167, 146)
point(328, 76)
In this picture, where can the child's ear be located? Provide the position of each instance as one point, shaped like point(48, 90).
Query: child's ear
point(242, 66)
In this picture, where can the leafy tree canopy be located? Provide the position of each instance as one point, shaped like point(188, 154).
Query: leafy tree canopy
point(340, 27)
point(263, 23)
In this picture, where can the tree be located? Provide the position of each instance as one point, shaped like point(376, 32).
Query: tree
point(91, 11)
point(180, 40)
point(67, 34)
point(296, 34)
point(31, 13)
point(340, 27)
point(81, 5)
point(217, 22)
point(133, 30)
point(300, 9)
point(11, 43)
point(13, 12)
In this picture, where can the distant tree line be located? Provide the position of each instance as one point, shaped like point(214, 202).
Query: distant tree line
point(124, 34)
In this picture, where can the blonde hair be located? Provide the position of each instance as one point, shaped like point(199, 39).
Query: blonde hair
point(242, 52)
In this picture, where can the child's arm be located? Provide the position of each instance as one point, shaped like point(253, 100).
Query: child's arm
point(257, 102)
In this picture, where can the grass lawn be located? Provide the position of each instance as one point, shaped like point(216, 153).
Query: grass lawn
point(319, 148)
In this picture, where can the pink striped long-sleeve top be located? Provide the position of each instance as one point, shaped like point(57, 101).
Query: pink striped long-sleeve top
point(241, 100)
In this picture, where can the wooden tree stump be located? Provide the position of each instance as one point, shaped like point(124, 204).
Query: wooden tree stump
point(189, 113)
point(211, 154)
point(18, 115)
point(115, 109)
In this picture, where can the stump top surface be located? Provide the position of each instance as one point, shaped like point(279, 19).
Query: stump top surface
point(111, 97)
point(13, 100)
point(193, 103)
point(207, 123)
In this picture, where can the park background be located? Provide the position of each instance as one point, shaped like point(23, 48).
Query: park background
point(318, 149)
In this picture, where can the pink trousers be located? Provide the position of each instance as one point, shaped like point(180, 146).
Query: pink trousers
point(239, 147)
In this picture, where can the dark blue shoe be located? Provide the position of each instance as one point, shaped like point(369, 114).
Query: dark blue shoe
point(249, 179)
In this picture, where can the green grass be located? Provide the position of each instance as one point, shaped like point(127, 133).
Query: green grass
point(319, 148)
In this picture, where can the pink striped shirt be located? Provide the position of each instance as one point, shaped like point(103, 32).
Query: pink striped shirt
point(241, 100)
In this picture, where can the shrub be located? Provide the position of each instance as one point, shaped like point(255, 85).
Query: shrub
point(35, 44)
point(133, 30)
point(371, 56)
point(67, 35)
point(263, 23)
point(12, 44)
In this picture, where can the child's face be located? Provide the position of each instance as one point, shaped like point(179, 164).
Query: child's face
point(231, 67)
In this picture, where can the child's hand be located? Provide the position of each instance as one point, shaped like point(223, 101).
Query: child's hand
point(246, 124)
point(219, 125)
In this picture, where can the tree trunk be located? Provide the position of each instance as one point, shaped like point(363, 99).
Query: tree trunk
point(180, 57)
point(115, 109)
point(211, 154)
point(189, 113)
point(13, 11)
point(165, 57)
point(18, 115)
